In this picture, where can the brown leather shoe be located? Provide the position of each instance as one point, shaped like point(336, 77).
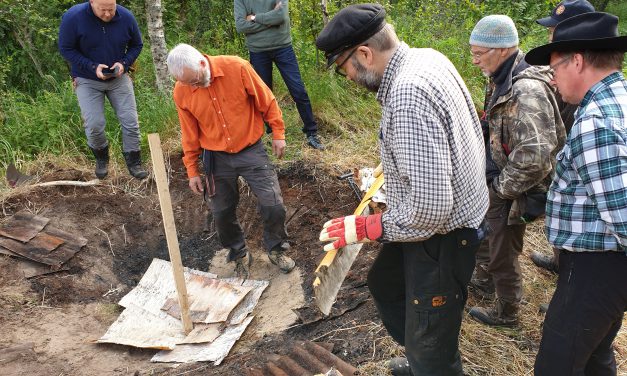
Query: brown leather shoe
point(503, 313)
point(277, 257)
point(544, 261)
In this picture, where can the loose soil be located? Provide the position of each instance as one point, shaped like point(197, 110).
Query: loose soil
point(62, 314)
point(56, 318)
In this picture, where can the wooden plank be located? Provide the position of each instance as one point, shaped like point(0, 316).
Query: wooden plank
point(75, 242)
point(32, 253)
point(158, 167)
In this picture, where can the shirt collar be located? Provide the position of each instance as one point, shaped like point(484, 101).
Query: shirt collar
point(599, 86)
point(390, 71)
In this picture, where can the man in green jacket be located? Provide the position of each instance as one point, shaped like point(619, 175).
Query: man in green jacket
point(525, 132)
point(266, 25)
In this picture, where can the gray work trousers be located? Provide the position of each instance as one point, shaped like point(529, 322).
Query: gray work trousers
point(254, 166)
point(119, 91)
point(498, 254)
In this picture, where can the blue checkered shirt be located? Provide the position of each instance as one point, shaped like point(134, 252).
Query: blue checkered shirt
point(431, 148)
point(587, 202)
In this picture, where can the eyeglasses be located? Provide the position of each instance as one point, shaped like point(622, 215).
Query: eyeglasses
point(562, 61)
point(338, 68)
point(478, 55)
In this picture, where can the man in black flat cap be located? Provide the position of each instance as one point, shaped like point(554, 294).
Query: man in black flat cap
point(434, 163)
point(563, 10)
point(586, 212)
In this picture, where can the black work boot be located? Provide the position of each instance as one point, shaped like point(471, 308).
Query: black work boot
point(400, 367)
point(503, 313)
point(102, 161)
point(134, 164)
point(544, 261)
point(277, 257)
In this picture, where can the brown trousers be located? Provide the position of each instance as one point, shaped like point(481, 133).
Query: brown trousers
point(497, 257)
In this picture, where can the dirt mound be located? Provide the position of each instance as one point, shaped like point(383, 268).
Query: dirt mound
point(62, 313)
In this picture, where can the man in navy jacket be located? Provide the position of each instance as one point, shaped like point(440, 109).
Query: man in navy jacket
point(101, 40)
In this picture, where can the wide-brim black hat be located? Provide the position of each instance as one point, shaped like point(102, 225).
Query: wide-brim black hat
point(587, 31)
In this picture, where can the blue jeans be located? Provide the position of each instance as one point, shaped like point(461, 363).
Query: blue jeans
point(285, 60)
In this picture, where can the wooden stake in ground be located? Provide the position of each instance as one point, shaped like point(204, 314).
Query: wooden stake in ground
point(158, 167)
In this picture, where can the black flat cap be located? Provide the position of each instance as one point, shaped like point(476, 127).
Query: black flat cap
point(587, 31)
point(350, 27)
point(566, 9)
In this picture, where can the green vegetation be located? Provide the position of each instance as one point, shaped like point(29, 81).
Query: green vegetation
point(39, 114)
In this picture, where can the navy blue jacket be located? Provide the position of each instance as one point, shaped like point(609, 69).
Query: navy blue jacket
point(86, 41)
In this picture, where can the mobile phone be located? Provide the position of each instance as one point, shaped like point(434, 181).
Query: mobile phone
point(110, 71)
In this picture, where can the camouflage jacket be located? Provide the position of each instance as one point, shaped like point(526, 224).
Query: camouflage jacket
point(526, 132)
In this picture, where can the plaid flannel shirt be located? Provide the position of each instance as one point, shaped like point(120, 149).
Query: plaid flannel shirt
point(587, 202)
point(431, 148)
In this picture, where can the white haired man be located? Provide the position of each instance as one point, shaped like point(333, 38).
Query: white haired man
point(222, 105)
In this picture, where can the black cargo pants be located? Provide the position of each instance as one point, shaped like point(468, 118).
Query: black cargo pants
point(420, 289)
point(254, 166)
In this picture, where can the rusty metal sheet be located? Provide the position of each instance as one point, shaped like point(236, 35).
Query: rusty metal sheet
point(45, 242)
point(55, 258)
point(306, 358)
point(211, 300)
point(72, 241)
point(23, 226)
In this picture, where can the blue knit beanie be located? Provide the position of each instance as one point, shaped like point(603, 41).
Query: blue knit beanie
point(495, 31)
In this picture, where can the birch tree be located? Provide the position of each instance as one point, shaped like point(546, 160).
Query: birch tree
point(158, 47)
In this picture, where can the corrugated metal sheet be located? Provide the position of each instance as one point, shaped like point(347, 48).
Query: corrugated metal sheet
point(305, 359)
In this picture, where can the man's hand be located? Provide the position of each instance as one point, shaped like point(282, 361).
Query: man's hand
point(195, 184)
point(351, 229)
point(278, 148)
point(278, 5)
point(99, 71)
point(250, 17)
point(120, 68)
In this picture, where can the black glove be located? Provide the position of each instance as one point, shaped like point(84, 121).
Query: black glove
point(535, 206)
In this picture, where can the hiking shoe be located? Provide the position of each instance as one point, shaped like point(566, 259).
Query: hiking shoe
point(277, 257)
point(544, 261)
point(503, 313)
point(242, 266)
point(400, 367)
point(314, 142)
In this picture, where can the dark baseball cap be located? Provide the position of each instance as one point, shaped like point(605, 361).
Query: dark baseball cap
point(564, 10)
point(351, 26)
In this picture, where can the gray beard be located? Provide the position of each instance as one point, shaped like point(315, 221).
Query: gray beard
point(370, 80)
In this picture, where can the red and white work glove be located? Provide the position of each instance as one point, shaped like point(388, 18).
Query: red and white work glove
point(351, 229)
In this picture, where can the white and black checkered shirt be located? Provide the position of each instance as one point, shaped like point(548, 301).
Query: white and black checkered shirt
point(431, 148)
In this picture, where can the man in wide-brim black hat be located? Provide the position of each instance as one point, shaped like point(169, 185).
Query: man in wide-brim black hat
point(586, 212)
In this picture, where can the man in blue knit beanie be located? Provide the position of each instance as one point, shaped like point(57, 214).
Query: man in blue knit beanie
point(523, 131)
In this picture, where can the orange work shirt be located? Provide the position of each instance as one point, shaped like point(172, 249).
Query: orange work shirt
point(228, 115)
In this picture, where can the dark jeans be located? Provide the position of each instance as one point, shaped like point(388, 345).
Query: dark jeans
point(420, 289)
point(255, 167)
point(285, 60)
point(584, 316)
point(498, 254)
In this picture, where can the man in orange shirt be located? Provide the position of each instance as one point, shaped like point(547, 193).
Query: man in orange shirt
point(222, 105)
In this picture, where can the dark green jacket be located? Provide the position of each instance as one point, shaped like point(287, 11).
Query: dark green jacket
point(271, 28)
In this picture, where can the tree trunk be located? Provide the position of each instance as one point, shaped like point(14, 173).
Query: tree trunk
point(157, 44)
point(325, 13)
point(24, 39)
